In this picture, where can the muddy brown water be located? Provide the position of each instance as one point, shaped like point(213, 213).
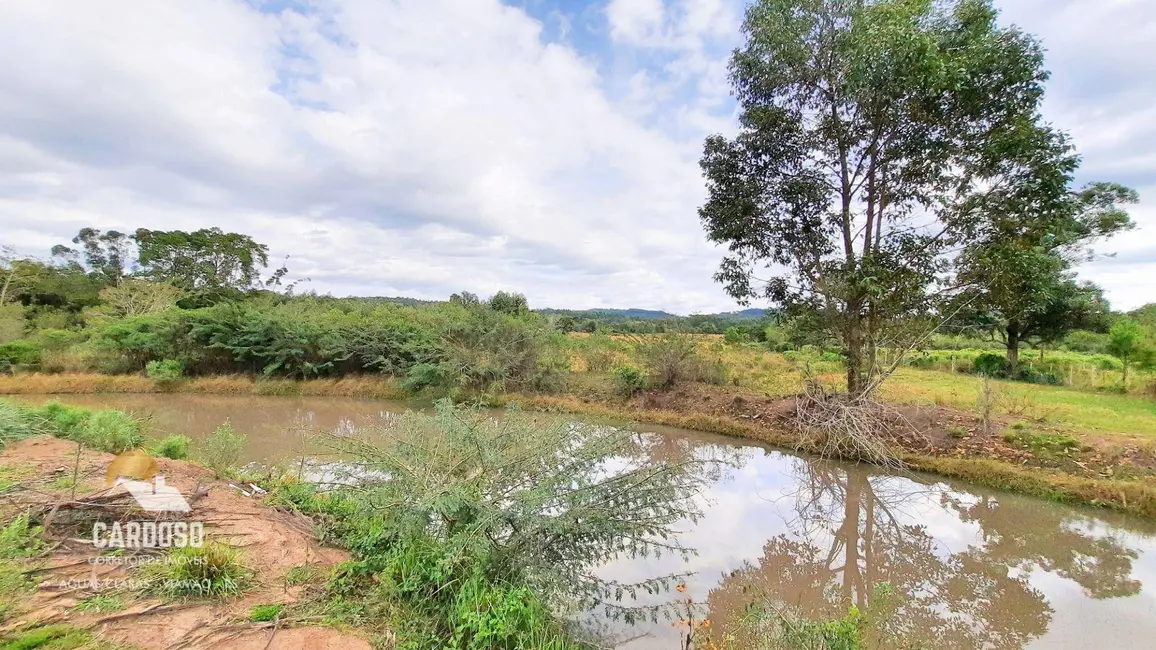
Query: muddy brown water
point(968, 567)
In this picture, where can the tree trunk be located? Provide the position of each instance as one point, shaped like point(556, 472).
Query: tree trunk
point(856, 378)
point(1013, 348)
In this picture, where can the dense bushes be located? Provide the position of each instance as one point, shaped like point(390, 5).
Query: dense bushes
point(469, 345)
point(20, 355)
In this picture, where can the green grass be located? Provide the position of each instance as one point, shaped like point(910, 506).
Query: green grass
point(214, 570)
point(100, 604)
point(1076, 411)
point(56, 637)
point(265, 613)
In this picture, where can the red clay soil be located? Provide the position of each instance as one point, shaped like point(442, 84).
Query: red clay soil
point(271, 542)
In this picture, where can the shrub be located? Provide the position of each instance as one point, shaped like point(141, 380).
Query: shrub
point(210, 571)
point(670, 358)
point(111, 431)
point(502, 518)
point(20, 356)
point(597, 351)
point(12, 322)
point(221, 450)
point(628, 380)
point(990, 365)
point(735, 336)
point(166, 370)
point(175, 447)
point(426, 375)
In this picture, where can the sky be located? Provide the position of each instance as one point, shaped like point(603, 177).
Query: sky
point(425, 147)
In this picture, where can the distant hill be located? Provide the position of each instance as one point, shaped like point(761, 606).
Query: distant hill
point(650, 314)
point(752, 313)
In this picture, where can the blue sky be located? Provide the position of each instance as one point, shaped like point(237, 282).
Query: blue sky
point(422, 147)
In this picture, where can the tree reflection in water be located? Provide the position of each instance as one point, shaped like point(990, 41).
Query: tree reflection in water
point(851, 532)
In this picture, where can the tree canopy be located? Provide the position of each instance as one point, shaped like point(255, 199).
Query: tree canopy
point(857, 119)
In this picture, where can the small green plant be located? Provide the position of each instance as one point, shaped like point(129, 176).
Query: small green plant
point(265, 613)
point(14, 423)
point(628, 380)
point(110, 431)
point(221, 451)
point(100, 604)
point(175, 447)
point(19, 538)
point(210, 571)
point(957, 432)
point(167, 373)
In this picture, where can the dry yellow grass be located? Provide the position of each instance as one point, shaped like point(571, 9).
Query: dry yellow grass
point(75, 383)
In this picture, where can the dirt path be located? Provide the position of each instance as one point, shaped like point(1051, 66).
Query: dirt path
point(271, 543)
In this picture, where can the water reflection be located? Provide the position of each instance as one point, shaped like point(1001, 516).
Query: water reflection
point(848, 536)
point(974, 568)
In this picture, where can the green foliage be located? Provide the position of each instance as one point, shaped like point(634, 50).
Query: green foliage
point(175, 447)
point(991, 365)
point(426, 375)
point(19, 538)
point(513, 304)
point(628, 380)
point(20, 356)
point(100, 604)
point(599, 351)
point(482, 531)
point(49, 637)
point(110, 431)
point(209, 264)
point(265, 613)
point(12, 322)
point(670, 358)
point(735, 336)
point(166, 370)
point(213, 570)
point(221, 450)
point(1126, 342)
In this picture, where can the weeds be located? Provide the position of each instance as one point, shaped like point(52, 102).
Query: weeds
point(221, 450)
point(210, 571)
point(100, 604)
point(175, 447)
point(265, 613)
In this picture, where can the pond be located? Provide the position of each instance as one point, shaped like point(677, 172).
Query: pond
point(969, 568)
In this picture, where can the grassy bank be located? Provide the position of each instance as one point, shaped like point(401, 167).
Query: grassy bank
point(1132, 496)
point(91, 383)
point(1047, 441)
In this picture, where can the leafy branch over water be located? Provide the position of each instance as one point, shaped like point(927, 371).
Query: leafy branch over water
point(458, 508)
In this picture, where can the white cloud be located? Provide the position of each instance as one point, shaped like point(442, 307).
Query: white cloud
point(422, 147)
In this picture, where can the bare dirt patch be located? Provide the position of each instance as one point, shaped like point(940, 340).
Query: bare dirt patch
point(271, 542)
